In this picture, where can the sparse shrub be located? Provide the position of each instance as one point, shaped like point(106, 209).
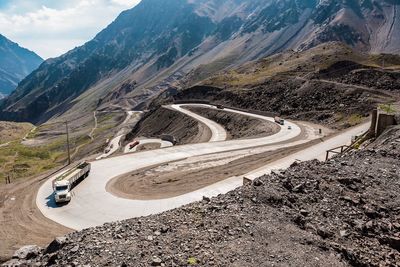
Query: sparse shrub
point(387, 108)
point(355, 119)
point(192, 261)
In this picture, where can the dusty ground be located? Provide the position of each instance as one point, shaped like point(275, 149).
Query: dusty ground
point(237, 126)
point(150, 146)
point(180, 177)
point(10, 131)
point(177, 178)
point(344, 212)
point(21, 222)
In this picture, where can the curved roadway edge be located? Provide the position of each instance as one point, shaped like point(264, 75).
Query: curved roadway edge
point(218, 132)
point(92, 205)
point(114, 144)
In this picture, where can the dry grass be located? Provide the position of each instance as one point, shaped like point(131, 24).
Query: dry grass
point(10, 131)
point(298, 64)
point(21, 161)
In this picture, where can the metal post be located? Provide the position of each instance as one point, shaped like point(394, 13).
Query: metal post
point(69, 153)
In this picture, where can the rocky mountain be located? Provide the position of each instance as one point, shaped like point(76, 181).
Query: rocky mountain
point(15, 64)
point(149, 48)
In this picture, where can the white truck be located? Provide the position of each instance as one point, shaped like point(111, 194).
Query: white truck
point(63, 183)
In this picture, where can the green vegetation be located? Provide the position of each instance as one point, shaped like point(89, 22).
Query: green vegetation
point(387, 108)
point(192, 261)
point(20, 161)
point(10, 131)
point(355, 119)
point(297, 64)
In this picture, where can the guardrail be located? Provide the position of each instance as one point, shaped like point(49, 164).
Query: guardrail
point(345, 148)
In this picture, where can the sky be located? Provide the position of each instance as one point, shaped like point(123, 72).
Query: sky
point(52, 27)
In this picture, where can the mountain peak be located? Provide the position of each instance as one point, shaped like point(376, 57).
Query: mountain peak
point(156, 43)
point(15, 64)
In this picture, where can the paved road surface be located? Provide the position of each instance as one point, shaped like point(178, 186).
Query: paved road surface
point(218, 132)
point(112, 147)
point(92, 205)
point(115, 142)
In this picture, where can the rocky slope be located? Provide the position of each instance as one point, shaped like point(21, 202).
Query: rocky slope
point(330, 83)
point(149, 48)
point(343, 212)
point(15, 64)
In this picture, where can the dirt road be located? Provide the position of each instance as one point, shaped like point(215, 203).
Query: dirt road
point(21, 222)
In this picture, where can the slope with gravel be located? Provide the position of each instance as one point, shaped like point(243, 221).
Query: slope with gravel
point(164, 121)
point(238, 126)
point(340, 213)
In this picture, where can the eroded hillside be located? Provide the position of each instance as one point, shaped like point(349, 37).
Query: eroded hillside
point(330, 83)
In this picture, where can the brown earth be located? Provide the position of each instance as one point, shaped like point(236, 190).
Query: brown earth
point(150, 146)
point(344, 212)
point(237, 126)
point(180, 177)
point(332, 85)
point(158, 182)
point(21, 221)
point(164, 121)
point(323, 102)
point(10, 131)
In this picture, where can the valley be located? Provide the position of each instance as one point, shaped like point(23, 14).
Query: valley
point(205, 133)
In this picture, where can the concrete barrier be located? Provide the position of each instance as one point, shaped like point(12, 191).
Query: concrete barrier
point(383, 122)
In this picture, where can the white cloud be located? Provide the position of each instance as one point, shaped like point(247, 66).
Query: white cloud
point(52, 30)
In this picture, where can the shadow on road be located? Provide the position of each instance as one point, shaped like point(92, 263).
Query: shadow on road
point(51, 203)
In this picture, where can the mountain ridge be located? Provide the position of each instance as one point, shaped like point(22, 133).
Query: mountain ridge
point(15, 64)
point(152, 46)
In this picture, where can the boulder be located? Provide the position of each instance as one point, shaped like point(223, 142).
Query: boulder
point(27, 252)
point(56, 245)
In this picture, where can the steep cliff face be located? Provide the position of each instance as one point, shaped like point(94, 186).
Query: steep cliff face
point(152, 46)
point(15, 64)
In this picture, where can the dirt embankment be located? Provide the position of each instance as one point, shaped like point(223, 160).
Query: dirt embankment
point(164, 121)
point(237, 126)
point(316, 101)
point(349, 73)
point(344, 212)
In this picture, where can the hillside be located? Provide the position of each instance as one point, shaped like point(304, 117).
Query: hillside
point(330, 83)
point(15, 64)
point(343, 212)
point(149, 48)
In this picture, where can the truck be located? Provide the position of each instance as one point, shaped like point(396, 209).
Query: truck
point(279, 121)
point(65, 182)
point(134, 144)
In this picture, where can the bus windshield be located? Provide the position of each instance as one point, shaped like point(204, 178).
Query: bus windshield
point(61, 188)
